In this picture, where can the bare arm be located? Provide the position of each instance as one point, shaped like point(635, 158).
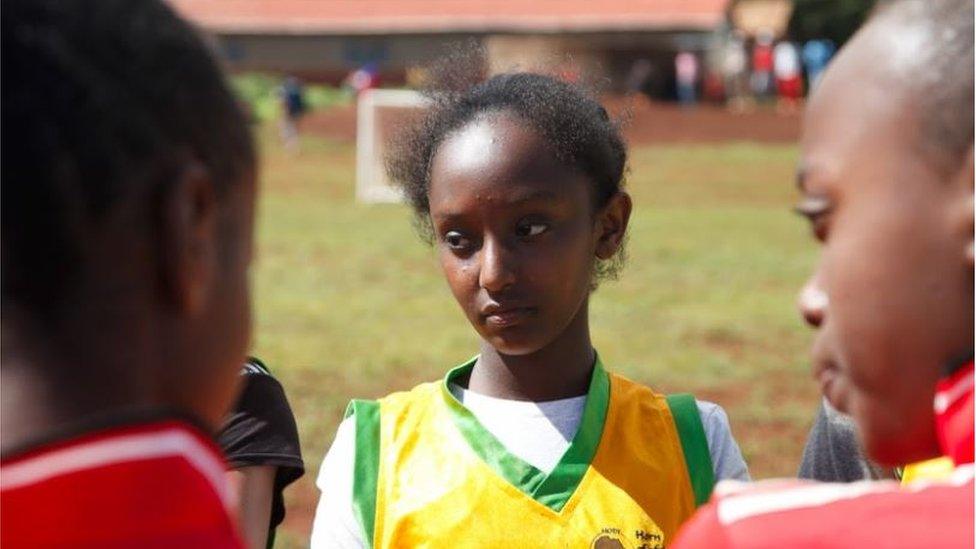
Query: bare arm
point(255, 489)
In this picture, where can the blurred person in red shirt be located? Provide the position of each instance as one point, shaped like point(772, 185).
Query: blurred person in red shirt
point(127, 211)
point(886, 178)
point(762, 65)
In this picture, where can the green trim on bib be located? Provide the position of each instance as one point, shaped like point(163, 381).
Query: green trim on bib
point(552, 490)
point(366, 467)
point(694, 444)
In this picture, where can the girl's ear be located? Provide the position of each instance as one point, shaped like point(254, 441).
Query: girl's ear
point(964, 182)
point(611, 225)
point(188, 229)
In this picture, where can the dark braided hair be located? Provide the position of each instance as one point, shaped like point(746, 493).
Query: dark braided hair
point(577, 128)
point(103, 100)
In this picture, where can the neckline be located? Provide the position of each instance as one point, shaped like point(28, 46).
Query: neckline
point(552, 490)
point(468, 393)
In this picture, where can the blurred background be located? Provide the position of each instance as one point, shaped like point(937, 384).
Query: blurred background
point(350, 303)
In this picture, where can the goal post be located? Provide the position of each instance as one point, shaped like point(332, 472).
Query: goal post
point(379, 113)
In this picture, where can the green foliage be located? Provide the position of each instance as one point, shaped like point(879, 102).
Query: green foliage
point(260, 92)
point(323, 97)
point(833, 19)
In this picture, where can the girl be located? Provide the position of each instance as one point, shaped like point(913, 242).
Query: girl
point(517, 184)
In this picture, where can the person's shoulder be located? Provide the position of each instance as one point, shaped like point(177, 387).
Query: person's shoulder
point(789, 513)
point(625, 387)
point(255, 367)
point(99, 480)
point(709, 409)
point(714, 418)
point(420, 393)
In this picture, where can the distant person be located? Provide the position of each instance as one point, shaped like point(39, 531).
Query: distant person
point(789, 77)
point(260, 440)
point(816, 54)
point(735, 67)
point(532, 443)
point(713, 79)
point(686, 77)
point(640, 78)
point(127, 218)
point(886, 177)
point(363, 78)
point(293, 107)
point(761, 80)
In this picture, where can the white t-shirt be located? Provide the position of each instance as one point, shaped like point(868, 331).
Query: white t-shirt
point(537, 432)
point(786, 60)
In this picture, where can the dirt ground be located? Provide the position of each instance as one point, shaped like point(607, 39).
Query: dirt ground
point(644, 123)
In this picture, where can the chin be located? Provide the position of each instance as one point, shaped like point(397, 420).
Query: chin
point(894, 445)
point(513, 345)
point(513, 349)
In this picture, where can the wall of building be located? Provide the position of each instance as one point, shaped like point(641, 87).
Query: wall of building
point(607, 56)
point(332, 58)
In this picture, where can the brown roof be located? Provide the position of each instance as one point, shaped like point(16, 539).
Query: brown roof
point(442, 16)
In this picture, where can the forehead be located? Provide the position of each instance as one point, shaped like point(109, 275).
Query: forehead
point(499, 158)
point(862, 114)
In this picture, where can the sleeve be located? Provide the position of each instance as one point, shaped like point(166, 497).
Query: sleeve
point(726, 457)
point(832, 452)
point(261, 430)
point(335, 524)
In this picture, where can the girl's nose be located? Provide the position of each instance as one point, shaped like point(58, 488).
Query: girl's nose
point(496, 272)
point(813, 302)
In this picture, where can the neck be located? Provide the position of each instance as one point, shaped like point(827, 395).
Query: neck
point(561, 369)
point(44, 392)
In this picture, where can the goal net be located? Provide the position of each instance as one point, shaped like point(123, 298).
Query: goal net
point(379, 114)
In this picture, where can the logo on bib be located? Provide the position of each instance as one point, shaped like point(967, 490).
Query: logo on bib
point(649, 540)
point(614, 538)
point(609, 538)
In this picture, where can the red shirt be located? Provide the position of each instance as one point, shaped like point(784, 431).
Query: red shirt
point(791, 513)
point(158, 484)
point(762, 58)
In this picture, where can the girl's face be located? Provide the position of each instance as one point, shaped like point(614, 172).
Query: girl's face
point(515, 232)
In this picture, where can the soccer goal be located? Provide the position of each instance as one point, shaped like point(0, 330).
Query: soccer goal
point(379, 114)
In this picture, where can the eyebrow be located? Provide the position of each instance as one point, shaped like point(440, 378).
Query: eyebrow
point(533, 196)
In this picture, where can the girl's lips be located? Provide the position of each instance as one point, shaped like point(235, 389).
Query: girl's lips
point(509, 317)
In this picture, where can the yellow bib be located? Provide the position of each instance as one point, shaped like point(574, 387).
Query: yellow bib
point(939, 468)
point(427, 474)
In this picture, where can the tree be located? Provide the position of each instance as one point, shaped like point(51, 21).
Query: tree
point(833, 19)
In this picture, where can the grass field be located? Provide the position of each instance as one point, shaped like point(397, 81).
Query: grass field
point(349, 303)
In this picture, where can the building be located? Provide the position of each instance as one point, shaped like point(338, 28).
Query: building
point(324, 40)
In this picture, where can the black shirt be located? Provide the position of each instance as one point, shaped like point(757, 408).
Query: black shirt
point(261, 430)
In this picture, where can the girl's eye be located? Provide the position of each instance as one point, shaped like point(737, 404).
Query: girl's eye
point(456, 240)
point(530, 229)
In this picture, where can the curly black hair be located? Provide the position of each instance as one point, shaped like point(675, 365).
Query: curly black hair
point(578, 129)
